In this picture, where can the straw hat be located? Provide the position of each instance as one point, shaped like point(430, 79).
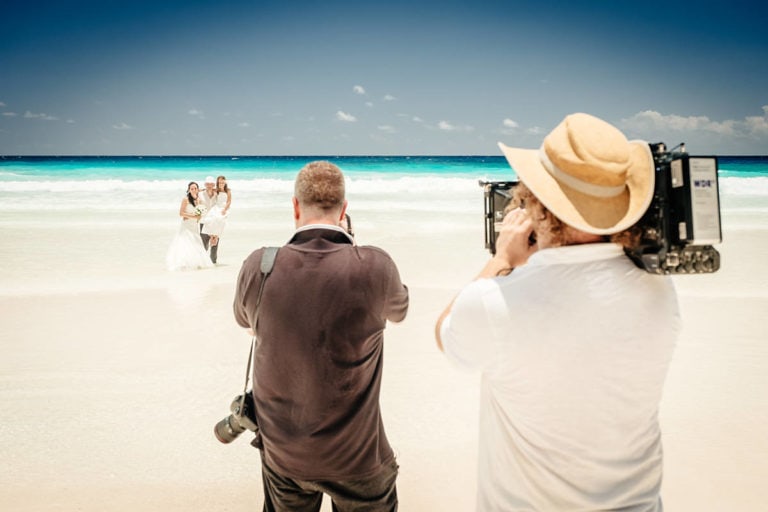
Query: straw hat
point(588, 174)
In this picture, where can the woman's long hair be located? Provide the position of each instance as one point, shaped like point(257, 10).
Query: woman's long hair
point(191, 199)
point(226, 187)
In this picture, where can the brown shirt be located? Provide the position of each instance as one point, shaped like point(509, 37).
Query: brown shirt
point(318, 362)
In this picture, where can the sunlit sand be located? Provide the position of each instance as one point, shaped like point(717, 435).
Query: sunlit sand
point(114, 372)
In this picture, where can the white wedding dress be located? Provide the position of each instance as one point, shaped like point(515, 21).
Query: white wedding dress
point(213, 221)
point(186, 251)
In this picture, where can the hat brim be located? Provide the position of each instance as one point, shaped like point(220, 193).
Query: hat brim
point(599, 216)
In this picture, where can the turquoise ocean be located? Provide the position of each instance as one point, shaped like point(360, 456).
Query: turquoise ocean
point(148, 186)
point(76, 218)
point(153, 184)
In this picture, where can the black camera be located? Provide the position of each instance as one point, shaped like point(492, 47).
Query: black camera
point(498, 194)
point(243, 418)
point(677, 230)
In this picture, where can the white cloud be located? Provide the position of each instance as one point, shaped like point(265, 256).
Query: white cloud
point(70, 121)
point(368, 104)
point(652, 120)
point(389, 97)
point(509, 123)
point(10, 114)
point(2, 104)
point(654, 124)
point(197, 113)
point(45, 117)
point(244, 124)
point(122, 126)
point(387, 128)
point(417, 119)
point(343, 116)
point(359, 89)
point(534, 130)
point(757, 125)
point(448, 127)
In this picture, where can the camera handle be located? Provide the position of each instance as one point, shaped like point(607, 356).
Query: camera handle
point(267, 262)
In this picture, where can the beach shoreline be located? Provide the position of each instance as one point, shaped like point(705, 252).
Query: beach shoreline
point(114, 370)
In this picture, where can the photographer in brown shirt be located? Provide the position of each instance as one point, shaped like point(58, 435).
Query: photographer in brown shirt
point(319, 357)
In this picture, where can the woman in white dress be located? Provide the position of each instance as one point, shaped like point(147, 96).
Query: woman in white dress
point(186, 251)
point(216, 219)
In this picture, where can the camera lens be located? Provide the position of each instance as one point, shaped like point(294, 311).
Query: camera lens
point(228, 429)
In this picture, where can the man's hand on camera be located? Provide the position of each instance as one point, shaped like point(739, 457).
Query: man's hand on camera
point(512, 250)
point(513, 246)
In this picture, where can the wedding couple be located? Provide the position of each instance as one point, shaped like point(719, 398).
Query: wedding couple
point(203, 217)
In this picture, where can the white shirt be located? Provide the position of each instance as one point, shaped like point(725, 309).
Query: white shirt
point(574, 348)
point(208, 201)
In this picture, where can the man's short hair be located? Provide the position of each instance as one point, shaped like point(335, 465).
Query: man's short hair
point(320, 184)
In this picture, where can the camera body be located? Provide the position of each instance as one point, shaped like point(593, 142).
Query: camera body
point(679, 227)
point(243, 418)
point(498, 195)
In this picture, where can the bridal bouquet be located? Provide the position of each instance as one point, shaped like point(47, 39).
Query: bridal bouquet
point(200, 210)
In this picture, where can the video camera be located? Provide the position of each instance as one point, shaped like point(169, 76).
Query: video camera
point(677, 230)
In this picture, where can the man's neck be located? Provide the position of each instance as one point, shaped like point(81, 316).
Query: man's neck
point(572, 237)
point(331, 227)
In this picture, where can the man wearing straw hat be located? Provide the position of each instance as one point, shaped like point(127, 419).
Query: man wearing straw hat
point(572, 339)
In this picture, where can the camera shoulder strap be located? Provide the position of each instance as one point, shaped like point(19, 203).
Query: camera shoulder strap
point(267, 262)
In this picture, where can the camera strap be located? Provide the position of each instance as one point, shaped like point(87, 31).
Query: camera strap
point(267, 262)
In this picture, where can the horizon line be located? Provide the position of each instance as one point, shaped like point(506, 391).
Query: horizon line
point(327, 156)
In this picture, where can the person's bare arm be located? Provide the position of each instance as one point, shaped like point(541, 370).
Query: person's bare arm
point(512, 250)
point(183, 210)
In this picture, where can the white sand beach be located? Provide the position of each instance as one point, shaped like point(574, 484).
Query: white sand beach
point(114, 371)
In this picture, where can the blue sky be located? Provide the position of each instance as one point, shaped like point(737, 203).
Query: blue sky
point(289, 77)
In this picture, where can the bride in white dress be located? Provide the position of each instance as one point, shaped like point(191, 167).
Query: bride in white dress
point(216, 219)
point(186, 251)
